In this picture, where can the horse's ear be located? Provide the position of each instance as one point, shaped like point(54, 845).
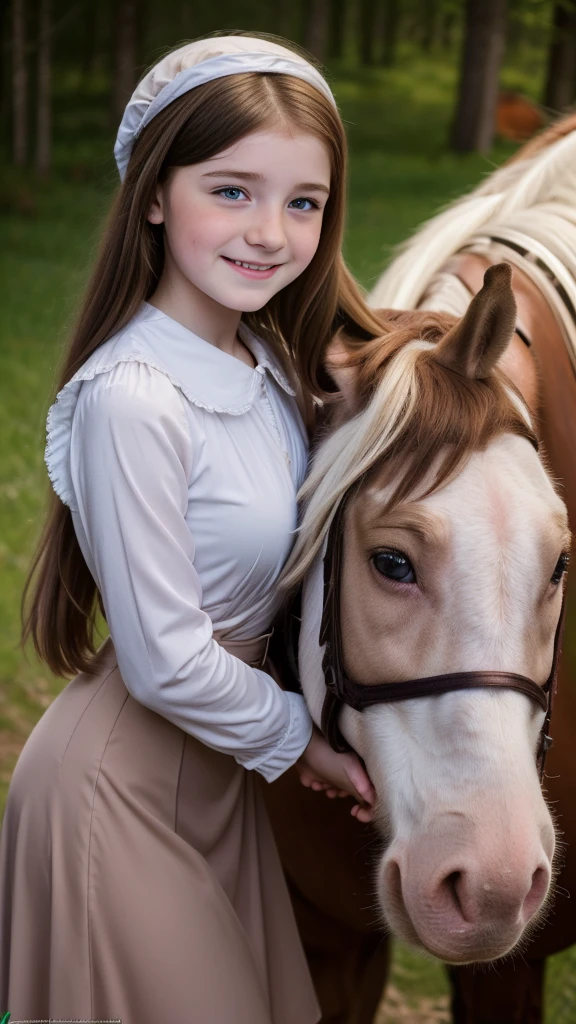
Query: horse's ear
point(474, 345)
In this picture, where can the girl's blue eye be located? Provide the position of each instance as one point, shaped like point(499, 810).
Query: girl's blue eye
point(231, 193)
point(312, 204)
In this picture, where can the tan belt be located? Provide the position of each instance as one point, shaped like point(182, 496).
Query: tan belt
point(253, 651)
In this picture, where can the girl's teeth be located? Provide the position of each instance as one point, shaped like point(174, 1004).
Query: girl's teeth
point(253, 266)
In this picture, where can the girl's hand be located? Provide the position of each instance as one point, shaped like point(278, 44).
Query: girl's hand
point(337, 775)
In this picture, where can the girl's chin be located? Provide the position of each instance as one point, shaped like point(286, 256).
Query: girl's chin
point(247, 300)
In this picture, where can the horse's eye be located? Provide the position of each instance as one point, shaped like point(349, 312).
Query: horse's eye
point(561, 566)
point(394, 565)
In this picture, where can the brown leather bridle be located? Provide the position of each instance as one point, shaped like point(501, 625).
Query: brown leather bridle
point(341, 689)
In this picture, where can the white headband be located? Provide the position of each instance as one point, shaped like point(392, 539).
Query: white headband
point(199, 62)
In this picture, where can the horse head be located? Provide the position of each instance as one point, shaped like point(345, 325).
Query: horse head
point(453, 552)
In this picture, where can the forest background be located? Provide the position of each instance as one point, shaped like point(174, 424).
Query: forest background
point(421, 85)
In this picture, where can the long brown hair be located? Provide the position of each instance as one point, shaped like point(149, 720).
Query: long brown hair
point(64, 600)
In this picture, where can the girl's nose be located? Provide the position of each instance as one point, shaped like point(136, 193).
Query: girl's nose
point(267, 231)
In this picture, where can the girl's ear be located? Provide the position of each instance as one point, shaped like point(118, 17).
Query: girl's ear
point(155, 213)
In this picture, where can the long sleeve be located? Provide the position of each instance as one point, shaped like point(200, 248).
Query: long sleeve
point(131, 458)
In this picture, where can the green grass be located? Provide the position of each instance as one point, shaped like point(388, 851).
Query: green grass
point(397, 123)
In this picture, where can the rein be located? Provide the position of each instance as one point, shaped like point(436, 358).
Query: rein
point(342, 690)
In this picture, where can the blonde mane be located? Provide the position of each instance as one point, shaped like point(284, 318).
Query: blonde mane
point(418, 413)
point(533, 196)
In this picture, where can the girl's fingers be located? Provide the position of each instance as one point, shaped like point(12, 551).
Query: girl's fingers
point(320, 764)
point(360, 780)
point(319, 786)
point(363, 814)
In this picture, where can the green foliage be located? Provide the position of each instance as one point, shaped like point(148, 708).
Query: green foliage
point(417, 990)
point(531, 14)
point(561, 988)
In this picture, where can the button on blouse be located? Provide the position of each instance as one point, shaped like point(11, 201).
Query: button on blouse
point(180, 465)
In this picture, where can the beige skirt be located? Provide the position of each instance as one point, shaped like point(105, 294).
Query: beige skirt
point(139, 878)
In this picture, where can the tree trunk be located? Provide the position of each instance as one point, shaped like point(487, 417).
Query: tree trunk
point(5, 84)
point(44, 90)
point(482, 52)
point(337, 29)
point(124, 71)
point(367, 19)
point(429, 24)
point(89, 43)
point(316, 31)
point(19, 84)
point(561, 74)
point(390, 31)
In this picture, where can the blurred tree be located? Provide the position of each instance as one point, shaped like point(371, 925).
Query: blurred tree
point(560, 87)
point(390, 25)
point(338, 11)
point(44, 89)
point(125, 56)
point(19, 84)
point(89, 41)
point(367, 24)
point(430, 19)
point(284, 20)
point(316, 28)
point(4, 47)
point(482, 52)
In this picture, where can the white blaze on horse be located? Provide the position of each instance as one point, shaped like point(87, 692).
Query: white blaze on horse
point(453, 550)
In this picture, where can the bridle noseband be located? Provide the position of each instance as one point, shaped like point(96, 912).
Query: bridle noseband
point(342, 690)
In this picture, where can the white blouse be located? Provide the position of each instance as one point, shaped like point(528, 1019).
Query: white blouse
point(181, 465)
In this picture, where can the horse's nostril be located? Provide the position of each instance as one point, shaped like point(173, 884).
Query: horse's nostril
point(538, 890)
point(451, 885)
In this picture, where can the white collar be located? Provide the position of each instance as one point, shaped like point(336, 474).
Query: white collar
point(209, 377)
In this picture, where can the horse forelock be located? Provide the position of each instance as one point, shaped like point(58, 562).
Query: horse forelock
point(420, 423)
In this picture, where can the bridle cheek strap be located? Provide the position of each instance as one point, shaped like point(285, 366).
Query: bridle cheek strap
point(342, 690)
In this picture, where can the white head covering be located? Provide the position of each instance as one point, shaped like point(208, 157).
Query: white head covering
point(199, 62)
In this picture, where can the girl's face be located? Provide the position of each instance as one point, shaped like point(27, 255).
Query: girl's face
point(244, 224)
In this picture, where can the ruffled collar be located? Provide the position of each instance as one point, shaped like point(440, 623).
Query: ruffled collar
point(209, 377)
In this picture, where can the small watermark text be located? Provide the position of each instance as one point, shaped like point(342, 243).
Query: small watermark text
point(7, 1019)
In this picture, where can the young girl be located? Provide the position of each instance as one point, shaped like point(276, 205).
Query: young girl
point(138, 876)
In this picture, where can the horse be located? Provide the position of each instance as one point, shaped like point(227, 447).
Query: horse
point(521, 214)
point(525, 213)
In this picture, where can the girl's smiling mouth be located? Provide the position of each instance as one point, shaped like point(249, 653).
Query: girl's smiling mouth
point(253, 270)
